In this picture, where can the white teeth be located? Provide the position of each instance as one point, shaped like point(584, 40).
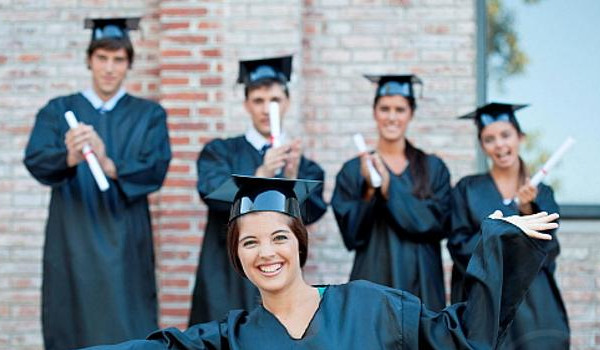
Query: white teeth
point(270, 268)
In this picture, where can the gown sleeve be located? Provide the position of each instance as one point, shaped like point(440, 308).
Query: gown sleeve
point(46, 152)
point(144, 173)
point(204, 336)
point(354, 215)
point(464, 235)
point(314, 206)
point(498, 277)
point(422, 219)
point(213, 170)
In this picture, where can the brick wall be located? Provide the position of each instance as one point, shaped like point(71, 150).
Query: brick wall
point(187, 53)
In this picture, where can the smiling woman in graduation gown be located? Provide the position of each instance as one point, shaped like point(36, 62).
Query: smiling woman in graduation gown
point(360, 314)
point(99, 281)
point(541, 320)
point(396, 236)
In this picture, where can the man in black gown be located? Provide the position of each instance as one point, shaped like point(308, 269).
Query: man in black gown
point(98, 266)
point(218, 287)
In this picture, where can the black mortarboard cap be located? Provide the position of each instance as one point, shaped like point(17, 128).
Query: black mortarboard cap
point(275, 68)
point(391, 85)
point(111, 28)
point(250, 194)
point(494, 112)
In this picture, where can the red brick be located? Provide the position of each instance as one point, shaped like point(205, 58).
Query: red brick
point(174, 282)
point(180, 183)
point(188, 126)
point(195, 67)
point(186, 12)
point(178, 112)
point(208, 25)
point(182, 325)
point(134, 86)
point(211, 81)
point(184, 226)
point(175, 53)
point(174, 312)
point(185, 155)
point(176, 298)
point(181, 140)
point(174, 81)
point(175, 255)
point(187, 39)
point(178, 169)
point(174, 26)
point(188, 96)
point(30, 58)
point(212, 53)
point(210, 112)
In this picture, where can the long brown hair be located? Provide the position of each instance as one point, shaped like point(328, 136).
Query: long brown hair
point(419, 171)
point(233, 235)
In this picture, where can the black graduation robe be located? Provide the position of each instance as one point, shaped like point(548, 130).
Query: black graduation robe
point(98, 266)
point(219, 288)
point(541, 320)
point(397, 241)
point(363, 315)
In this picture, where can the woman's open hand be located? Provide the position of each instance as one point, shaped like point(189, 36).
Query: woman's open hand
point(531, 224)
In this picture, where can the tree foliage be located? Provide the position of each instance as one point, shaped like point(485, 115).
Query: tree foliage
point(505, 57)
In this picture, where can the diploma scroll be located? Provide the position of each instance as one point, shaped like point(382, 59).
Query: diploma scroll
point(275, 123)
point(550, 163)
point(89, 155)
point(359, 141)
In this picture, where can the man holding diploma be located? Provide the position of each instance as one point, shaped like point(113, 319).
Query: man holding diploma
point(98, 279)
point(258, 152)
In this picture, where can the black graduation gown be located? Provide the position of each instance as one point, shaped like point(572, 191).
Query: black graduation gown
point(541, 320)
point(219, 288)
point(363, 315)
point(397, 241)
point(98, 266)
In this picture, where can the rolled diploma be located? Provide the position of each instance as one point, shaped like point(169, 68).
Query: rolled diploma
point(275, 123)
point(359, 141)
point(89, 155)
point(551, 162)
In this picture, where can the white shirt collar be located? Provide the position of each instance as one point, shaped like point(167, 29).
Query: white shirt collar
point(257, 140)
point(97, 102)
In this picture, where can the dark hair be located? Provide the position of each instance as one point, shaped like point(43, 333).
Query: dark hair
point(112, 44)
point(419, 170)
point(233, 234)
point(265, 83)
point(412, 103)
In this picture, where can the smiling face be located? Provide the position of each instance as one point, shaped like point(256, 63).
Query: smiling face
point(392, 115)
point(109, 68)
point(269, 251)
point(500, 141)
point(257, 105)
